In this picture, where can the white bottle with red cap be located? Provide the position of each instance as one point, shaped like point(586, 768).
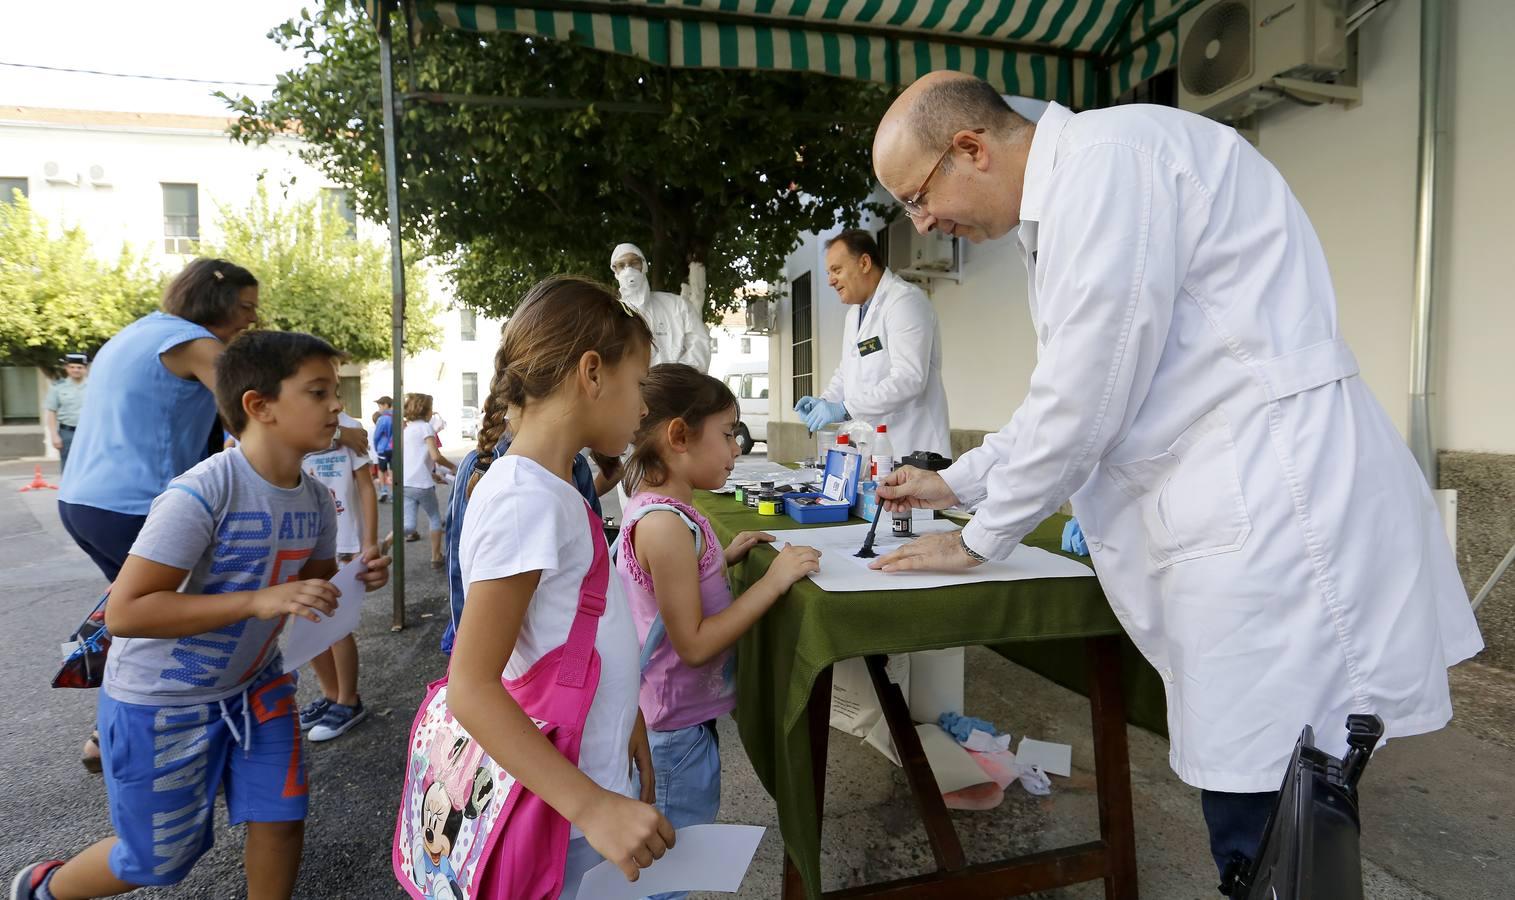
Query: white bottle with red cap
point(883, 454)
point(883, 464)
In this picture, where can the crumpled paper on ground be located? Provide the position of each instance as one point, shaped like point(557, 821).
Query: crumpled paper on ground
point(1002, 768)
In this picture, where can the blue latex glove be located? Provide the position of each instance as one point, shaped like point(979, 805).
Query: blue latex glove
point(1073, 539)
point(803, 407)
point(823, 413)
point(961, 726)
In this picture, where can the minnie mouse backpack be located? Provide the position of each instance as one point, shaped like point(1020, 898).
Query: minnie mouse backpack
point(467, 830)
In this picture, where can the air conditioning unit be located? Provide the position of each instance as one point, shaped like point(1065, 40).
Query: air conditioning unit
point(1236, 57)
point(933, 255)
point(54, 174)
point(98, 178)
point(760, 315)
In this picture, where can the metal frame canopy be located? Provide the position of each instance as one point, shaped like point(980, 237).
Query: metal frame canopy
point(1081, 53)
point(1078, 52)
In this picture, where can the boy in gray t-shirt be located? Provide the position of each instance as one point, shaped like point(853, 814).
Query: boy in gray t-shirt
point(195, 698)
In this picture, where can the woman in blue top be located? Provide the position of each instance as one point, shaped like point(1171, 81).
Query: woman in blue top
point(149, 412)
point(151, 408)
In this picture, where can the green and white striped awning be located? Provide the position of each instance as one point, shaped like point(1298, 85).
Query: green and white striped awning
point(1063, 50)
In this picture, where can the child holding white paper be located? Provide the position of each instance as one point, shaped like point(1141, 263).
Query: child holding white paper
point(569, 370)
point(346, 475)
point(674, 570)
point(229, 550)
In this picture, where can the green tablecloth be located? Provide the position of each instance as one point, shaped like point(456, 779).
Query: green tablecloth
point(1041, 622)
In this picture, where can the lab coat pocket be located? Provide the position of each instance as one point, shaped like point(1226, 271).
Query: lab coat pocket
point(1191, 500)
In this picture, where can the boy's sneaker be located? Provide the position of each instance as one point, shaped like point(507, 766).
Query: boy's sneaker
point(338, 719)
point(313, 713)
point(29, 879)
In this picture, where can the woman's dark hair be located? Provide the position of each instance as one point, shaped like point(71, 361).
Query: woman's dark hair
point(671, 391)
point(555, 324)
point(207, 291)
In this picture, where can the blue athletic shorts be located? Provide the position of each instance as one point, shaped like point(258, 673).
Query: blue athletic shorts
point(164, 765)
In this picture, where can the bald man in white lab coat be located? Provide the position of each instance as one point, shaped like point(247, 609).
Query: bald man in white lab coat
point(1258, 526)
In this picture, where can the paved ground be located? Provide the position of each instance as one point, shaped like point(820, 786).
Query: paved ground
point(1436, 807)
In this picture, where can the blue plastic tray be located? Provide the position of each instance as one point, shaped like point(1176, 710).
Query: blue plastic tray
point(836, 466)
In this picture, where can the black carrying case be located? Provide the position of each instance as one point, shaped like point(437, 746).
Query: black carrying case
point(1310, 847)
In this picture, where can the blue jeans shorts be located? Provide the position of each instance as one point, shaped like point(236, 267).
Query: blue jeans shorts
point(164, 765)
point(426, 499)
point(688, 767)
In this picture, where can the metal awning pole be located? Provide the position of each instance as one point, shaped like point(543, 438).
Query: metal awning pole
point(397, 320)
point(1422, 443)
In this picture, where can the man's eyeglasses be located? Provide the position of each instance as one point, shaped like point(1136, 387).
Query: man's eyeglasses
point(912, 206)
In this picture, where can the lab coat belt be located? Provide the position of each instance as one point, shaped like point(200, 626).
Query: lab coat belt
point(1306, 368)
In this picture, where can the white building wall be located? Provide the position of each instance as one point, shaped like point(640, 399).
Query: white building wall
point(1354, 172)
point(139, 153)
point(137, 160)
point(731, 345)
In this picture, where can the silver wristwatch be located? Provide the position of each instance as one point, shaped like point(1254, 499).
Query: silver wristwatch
point(974, 554)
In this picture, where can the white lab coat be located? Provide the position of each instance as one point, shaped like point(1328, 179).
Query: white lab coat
point(899, 385)
point(1257, 523)
point(678, 334)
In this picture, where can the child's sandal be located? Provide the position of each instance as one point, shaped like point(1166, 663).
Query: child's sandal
point(93, 762)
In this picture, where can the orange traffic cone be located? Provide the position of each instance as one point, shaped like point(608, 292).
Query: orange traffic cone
point(38, 482)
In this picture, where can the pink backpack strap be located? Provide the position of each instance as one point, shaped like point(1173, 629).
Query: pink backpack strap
point(574, 668)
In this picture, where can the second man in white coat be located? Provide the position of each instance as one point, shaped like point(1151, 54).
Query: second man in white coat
point(891, 368)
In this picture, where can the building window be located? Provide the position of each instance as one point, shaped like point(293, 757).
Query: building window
point(7, 185)
point(181, 217)
point(351, 392)
point(746, 345)
point(340, 200)
point(19, 403)
point(468, 324)
point(803, 352)
point(471, 389)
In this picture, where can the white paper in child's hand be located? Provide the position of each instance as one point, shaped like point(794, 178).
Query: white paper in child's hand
point(703, 858)
point(304, 640)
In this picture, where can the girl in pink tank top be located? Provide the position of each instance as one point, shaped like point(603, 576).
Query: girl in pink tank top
point(674, 571)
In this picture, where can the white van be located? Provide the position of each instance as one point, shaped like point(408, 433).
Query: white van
point(749, 382)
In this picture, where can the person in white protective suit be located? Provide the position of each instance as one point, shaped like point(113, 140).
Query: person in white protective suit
point(891, 368)
point(1257, 523)
point(678, 334)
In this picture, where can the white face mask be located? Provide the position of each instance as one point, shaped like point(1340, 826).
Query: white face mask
point(633, 283)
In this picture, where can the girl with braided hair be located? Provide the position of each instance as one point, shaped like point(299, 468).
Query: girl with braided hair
point(569, 374)
point(494, 440)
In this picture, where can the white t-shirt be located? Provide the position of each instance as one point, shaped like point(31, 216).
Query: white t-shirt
point(437, 422)
point(418, 464)
point(522, 518)
point(335, 469)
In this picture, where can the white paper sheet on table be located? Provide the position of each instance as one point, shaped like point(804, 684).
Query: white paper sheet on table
point(304, 640)
point(703, 858)
point(841, 569)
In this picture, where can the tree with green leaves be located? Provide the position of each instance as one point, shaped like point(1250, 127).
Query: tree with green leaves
point(724, 168)
point(56, 297)
point(316, 275)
